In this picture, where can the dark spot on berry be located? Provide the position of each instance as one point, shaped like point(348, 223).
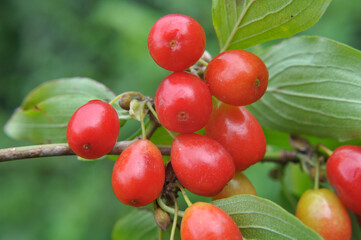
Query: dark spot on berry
point(133, 202)
point(86, 147)
point(173, 43)
point(182, 116)
point(257, 82)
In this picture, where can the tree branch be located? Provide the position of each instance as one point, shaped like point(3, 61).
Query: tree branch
point(60, 149)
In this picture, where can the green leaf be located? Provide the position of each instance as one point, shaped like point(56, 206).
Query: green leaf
point(67, 86)
point(45, 112)
point(137, 225)
point(140, 225)
point(242, 24)
point(259, 218)
point(314, 89)
point(47, 121)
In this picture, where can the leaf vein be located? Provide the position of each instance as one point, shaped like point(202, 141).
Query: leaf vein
point(282, 70)
point(312, 96)
point(301, 122)
point(244, 12)
point(267, 29)
point(267, 229)
point(267, 14)
point(314, 110)
point(266, 116)
point(312, 81)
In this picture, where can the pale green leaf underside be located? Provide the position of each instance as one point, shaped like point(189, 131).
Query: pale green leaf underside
point(262, 219)
point(314, 89)
point(47, 122)
point(45, 112)
point(67, 86)
point(138, 225)
point(240, 24)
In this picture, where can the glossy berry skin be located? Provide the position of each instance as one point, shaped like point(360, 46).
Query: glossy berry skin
point(323, 211)
point(239, 184)
point(237, 77)
point(176, 42)
point(204, 221)
point(93, 129)
point(239, 132)
point(201, 164)
point(183, 102)
point(344, 174)
point(138, 174)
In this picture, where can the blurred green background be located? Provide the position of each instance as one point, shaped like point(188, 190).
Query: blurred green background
point(62, 198)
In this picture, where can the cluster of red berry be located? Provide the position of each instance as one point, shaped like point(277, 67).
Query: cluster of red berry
point(204, 164)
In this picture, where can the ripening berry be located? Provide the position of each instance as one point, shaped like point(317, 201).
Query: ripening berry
point(239, 184)
point(323, 211)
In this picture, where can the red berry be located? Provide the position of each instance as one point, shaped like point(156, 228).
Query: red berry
point(138, 174)
point(239, 184)
point(204, 221)
point(93, 129)
point(239, 132)
point(237, 77)
point(201, 164)
point(322, 211)
point(183, 102)
point(344, 173)
point(176, 42)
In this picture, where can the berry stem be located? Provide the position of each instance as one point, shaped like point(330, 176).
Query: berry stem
point(144, 133)
point(317, 173)
point(141, 96)
point(175, 218)
point(151, 126)
point(303, 163)
point(124, 117)
point(160, 235)
point(152, 110)
point(168, 209)
point(201, 61)
point(185, 196)
point(324, 149)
